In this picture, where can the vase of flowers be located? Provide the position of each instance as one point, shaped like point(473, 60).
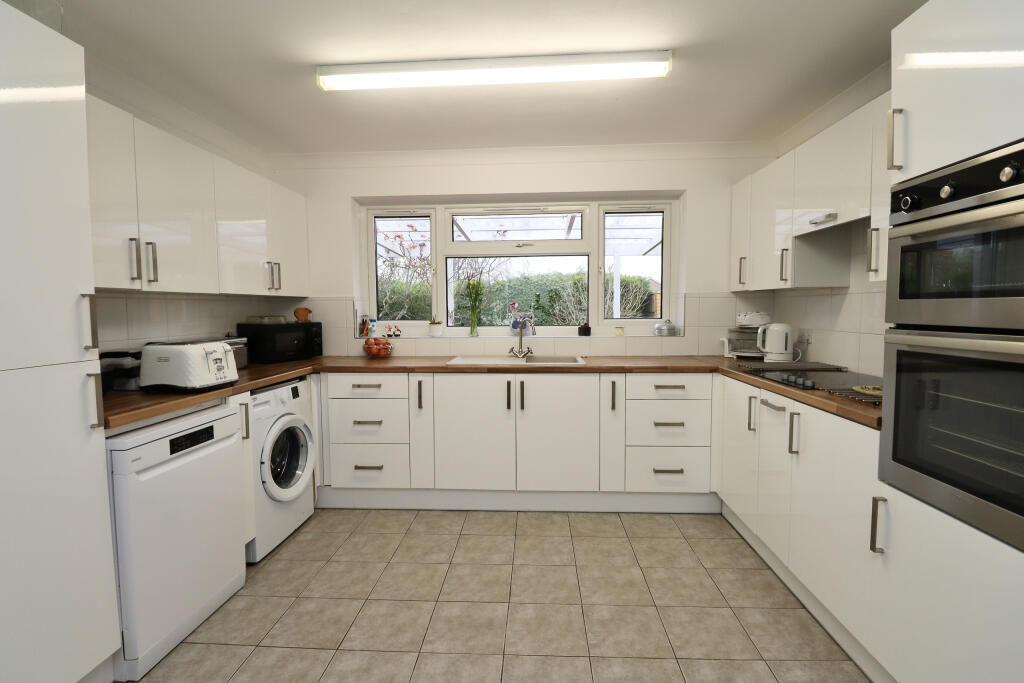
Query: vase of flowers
point(474, 291)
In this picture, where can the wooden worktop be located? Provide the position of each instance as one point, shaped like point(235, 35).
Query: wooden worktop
point(125, 407)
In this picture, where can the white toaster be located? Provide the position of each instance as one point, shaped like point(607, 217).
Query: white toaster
point(186, 366)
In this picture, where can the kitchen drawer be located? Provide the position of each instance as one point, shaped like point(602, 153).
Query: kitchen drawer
point(657, 469)
point(674, 385)
point(354, 420)
point(368, 385)
point(375, 466)
point(668, 423)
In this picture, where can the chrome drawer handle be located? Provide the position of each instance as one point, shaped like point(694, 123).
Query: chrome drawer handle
point(367, 422)
point(825, 218)
point(97, 379)
point(369, 467)
point(891, 141)
point(669, 424)
point(679, 471)
point(774, 407)
point(366, 386)
point(677, 387)
point(793, 450)
point(873, 542)
point(750, 413)
point(871, 267)
point(94, 326)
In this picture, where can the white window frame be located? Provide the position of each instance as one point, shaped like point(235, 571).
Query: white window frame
point(371, 262)
point(667, 230)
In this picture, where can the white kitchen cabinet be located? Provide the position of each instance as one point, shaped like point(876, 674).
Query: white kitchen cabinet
point(116, 251)
point(878, 230)
point(771, 224)
point(668, 469)
point(557, 432)
point(613, 431)
point(176, 212)
point(739, 237)
point(647, 386)
point(247, 467)
point(475, 431)
point(356, 421)
point(668, 423)
point(957, 76)
point(775, 443)
point(739, 448)
point(374, 466)
point(833, 175)
point(288, 241)
point(367, 385)
point(421, 430)
point(244, 265)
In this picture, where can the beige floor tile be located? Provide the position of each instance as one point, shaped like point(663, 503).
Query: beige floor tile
point(783, 634)
point(431, 548)
point(704, 526)
point(706, 633)
point(601, 585)
point(545, 630)
point(542, 524)
point(283, 664)
point(640, 525)
point(595, 524)
point(553, 585)
point(490, 523)
point(477, 583)
point(438, 522)
point(370, 667)
point(467, 627)
point(683, 587)
point(726, 553)
point(663, 552)
point(314, 623)
point(335, 521)
point(544, 669)
point(543, 550)
point(817, 672)
point(612, 552)
point(344, 580)
point(446, 668)
point(611, 670)
point(753, 588)
point(386, 521)
point(409, 582)
point(283, 578)
point(726, 671)
point(309, 545)
point(368, 548)
point(191, 662)
point(389, 625)
point(242, 620)
point(620, 631)
point(475, 549)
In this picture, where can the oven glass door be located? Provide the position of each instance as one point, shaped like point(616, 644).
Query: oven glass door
point(981, 265)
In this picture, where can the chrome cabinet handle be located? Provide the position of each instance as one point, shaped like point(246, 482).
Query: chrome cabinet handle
point(825, 218)
point(659, 471)
point(136, 250)
point(871, 249)
point(522, 395)
point(154, 264)
point(419, 393)
point(277, 268)
point(368, 467)
point(674, 387)
point(520, 245)
point(669, 424)
point(873, 542)
point(782, 265)
point(768, 404)
point(613, 394)
point(366, 386)
point(367, 422)
point(742, 280)
point(270, 269)
point(97, 379)
point(245, 421)
point(891, 141)
point(789, 445)
point(508, 395)
point(750, 413)
point(94, 328)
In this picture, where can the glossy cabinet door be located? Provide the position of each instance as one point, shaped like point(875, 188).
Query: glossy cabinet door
point(613, 431)
point(176, 212)
point(739, 448)
point(771, 225)
point(475, 431)
point(116, 251)
point(739, 237)
point(774, 468)
point(971, 103)
point(44, 199)
point(241, 200)
point(881, 177)
point(833, 175)
point(421, 430)
point(557, 432)
point(288, 241)
point(57, 569)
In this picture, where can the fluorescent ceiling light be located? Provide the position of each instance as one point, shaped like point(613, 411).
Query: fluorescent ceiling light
point(59, 93)
point(498, 71)
point(964, 60)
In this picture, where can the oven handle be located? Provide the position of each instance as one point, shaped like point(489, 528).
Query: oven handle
point(1015, 348)
point(1002, 216)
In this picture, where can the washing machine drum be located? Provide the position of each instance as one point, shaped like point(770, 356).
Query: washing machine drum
point(286, 461)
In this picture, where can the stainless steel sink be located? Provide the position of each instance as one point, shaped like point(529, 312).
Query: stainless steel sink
point(511, 360)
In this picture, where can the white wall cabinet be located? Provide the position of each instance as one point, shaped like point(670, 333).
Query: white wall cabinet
point(771, 224)
point(421, 430)
point(739, 448)
point(739, 237)
point(878, 231)
point(954, 77)
point(288, 240)
point(244, 263)
point(475, 431)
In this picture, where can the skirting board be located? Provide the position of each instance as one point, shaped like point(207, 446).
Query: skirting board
point(573, 501)
point(857, 652)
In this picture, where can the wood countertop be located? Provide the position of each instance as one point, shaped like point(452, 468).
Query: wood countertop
point(123, 408)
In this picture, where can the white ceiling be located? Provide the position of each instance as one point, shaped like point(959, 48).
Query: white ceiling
point(744, 70)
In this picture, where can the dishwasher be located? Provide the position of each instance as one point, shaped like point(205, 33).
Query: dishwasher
point(176, 498)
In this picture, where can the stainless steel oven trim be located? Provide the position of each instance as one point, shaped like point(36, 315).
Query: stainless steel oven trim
point(961, 165)
point(977, 512)
point(983, 214)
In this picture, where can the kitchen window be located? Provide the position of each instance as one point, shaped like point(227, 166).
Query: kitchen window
point(568, 264)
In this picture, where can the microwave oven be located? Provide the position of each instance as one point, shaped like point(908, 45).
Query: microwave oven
point(277, 342)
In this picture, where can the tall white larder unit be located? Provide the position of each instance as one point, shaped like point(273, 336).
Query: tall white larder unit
point(59, 618)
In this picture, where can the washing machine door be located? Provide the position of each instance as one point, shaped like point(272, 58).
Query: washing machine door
point(286, 461)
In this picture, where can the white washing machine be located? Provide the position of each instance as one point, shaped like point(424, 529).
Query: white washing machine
point(285, 450)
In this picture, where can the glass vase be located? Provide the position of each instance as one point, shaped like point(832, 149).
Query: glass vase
point(474, 323)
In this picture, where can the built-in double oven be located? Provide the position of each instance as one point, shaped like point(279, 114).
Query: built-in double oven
point(953, 412)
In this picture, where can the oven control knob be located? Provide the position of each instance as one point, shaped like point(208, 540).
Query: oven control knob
point(947, 190)
point(1009, 173)
point(908, 202)
point(809, 384)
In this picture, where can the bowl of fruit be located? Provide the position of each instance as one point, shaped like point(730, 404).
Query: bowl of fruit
point(377, 347)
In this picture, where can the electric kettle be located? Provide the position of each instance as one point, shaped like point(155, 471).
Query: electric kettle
point(776, 341)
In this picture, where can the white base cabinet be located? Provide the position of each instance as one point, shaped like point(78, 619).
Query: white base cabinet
point(739, 448)
point(775, 453)
point(613, 432)
point(421, 431)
